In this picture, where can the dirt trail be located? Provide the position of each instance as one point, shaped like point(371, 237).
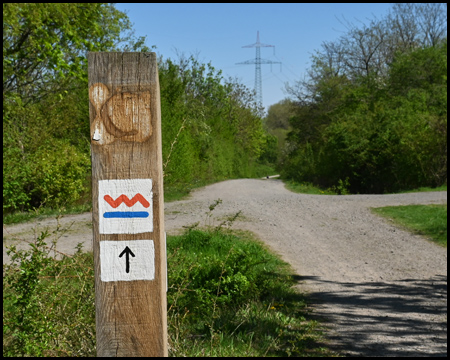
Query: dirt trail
point(381, 290)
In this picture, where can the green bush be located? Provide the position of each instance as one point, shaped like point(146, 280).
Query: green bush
point(230, 273)
point(17, 176)
point(210, 128)
point(59, 174)
point(375, 133)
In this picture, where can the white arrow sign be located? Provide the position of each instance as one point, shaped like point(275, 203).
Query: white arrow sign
point(127, 260)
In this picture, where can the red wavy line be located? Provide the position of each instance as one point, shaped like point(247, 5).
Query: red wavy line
point(123, 198)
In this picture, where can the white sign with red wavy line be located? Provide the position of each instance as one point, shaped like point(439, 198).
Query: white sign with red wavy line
point(125, 206)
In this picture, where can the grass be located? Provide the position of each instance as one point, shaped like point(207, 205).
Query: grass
point(235, 299)
point(427, 220)
point(48, 304)
point(176, 192)
point(228, 296)
point(307, 188)
point(41, 213)
point(425, 189)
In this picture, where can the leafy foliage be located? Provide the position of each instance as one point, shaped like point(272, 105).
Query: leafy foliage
point(210, 127)
point(277, 123)
point(38, 293)
point(45, 111)
point(234, 299)
point(370, 120)
point(44, 42)
point(231, 274)
point(221, 135)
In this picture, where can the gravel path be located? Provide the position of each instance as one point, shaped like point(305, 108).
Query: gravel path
point(380, 290)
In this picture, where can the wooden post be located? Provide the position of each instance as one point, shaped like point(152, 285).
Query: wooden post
point(127, 205)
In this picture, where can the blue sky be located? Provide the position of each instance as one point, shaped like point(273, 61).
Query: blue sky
point(217, 32)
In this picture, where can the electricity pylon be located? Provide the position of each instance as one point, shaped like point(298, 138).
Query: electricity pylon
point(258, 61)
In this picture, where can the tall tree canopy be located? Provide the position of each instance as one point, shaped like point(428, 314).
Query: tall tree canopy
point(372, 114)
point(44, 42)
point(45, 111)
point(211, 128)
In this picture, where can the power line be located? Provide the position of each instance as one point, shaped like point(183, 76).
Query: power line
point(258, 62)
point(288, 67)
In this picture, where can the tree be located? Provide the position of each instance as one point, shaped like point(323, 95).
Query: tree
point(372, 112)
point(279, 114)
point(45, 41)
point(45, 112)
point(210, 125)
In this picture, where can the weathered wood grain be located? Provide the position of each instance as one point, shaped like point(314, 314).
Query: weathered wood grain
point(125, 119)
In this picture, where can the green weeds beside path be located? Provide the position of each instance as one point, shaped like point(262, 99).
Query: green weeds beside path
point(228, 296)
point(235, 299)
point(427, 220)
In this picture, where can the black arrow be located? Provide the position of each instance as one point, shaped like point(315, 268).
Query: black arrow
point(127, 253)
